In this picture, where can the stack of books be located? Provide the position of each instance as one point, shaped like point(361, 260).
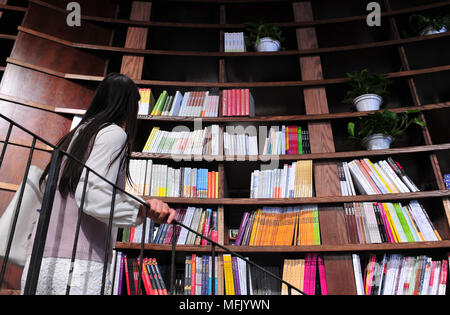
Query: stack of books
point(292, 181)
point(238, 102)
point(126, 276)
point(191, 104)
point(163, 181)
point(383, 177)
point(198, 275)
point(278, 226)
point(203, 221)
point(395, 274)
point(197, 142)
point(146, 102)
point(239, 144)
point(306, 274)
point(234, 42)
point(288, 140)
point(376, 222)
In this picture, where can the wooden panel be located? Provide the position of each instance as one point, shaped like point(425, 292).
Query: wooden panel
point(339, 270)
point(133, 66)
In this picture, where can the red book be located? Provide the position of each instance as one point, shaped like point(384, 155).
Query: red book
point(322, 276)
point(233, 102)
point(146, 278)
point(247, 102)
point(366, 174)
point(127, 277)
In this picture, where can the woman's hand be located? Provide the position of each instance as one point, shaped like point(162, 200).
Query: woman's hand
point(159, 211)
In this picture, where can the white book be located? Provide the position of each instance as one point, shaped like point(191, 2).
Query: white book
point(398, 182)
point(436, 284)
point(359, 179)
point(358, 274)
point(372, 222)
point(187, 222)
point(426, 277)
point(148, 177)
point(375, 177)
point(422, 221)
point(386, 178)
point(183, 104)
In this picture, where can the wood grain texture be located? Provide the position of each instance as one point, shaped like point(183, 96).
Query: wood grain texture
point(133, 66)
point(332, 223)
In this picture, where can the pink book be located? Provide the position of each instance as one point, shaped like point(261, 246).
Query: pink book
point(247, 102)
point(225, 102)
point(322, 276)
point(307, 274)
point(233, 102)
point(312, 277)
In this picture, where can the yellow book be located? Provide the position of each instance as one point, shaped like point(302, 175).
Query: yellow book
point(254, 227)
point(391, 223)
point(301, 274)
point(378, 174)
point(228, 274)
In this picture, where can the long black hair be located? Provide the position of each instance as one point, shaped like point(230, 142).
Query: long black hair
point(115, 102)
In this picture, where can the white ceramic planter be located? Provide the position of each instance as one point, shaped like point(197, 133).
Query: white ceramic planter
point(268, 44)
point(429, 30)
point(377, 141)
point(367, 102)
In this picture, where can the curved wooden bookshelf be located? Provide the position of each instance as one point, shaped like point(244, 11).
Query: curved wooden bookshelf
point(349, 248)
point(305, 52)
point(226, 26)
point(292, 157)
point(303, 83)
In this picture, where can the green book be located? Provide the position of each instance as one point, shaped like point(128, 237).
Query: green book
point(157, 110)
point(300, 142)
point(403, 222)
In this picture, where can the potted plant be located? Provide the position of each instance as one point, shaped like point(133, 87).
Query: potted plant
point(428, 25)
point(367, 90)
point(263, 36)
point(376, 131)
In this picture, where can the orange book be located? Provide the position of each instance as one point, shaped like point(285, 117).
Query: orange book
point(366, 174)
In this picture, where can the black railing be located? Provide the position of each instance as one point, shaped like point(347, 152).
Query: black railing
point(46, 211)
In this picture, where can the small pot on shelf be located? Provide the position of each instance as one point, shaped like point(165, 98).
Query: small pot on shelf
point(377, 141)
point(367, 102)
point(268, 44)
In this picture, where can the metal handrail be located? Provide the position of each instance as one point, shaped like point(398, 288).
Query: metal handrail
point(45, 213)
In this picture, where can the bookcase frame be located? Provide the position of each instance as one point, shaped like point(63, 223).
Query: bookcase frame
point(335, 247)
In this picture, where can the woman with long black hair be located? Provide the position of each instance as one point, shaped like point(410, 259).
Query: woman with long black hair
point(103, 141)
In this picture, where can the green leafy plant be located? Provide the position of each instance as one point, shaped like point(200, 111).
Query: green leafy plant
point(418, 22)
point(364, 82)
point(258, 30)
point(385, 122)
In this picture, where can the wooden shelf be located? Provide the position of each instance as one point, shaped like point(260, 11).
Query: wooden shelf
point(306, 52)
point(226, 26)
point(349, 248)
point(302, 201)
point(292, 157)
point(304, 83)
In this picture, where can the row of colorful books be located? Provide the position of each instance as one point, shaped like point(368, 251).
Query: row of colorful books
point(383, 177)
point(288, 140)
point(203, 221)
point(238, 102)
point(125, 280)
point(395, 274)
point(198, 275)
point(234, 42)
point(189, 104)
point(240, 278)
point(306, 274)
point(376, 222)
point(199, 142)
point(160, 180)
point(292, 181)
point(278, 226)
